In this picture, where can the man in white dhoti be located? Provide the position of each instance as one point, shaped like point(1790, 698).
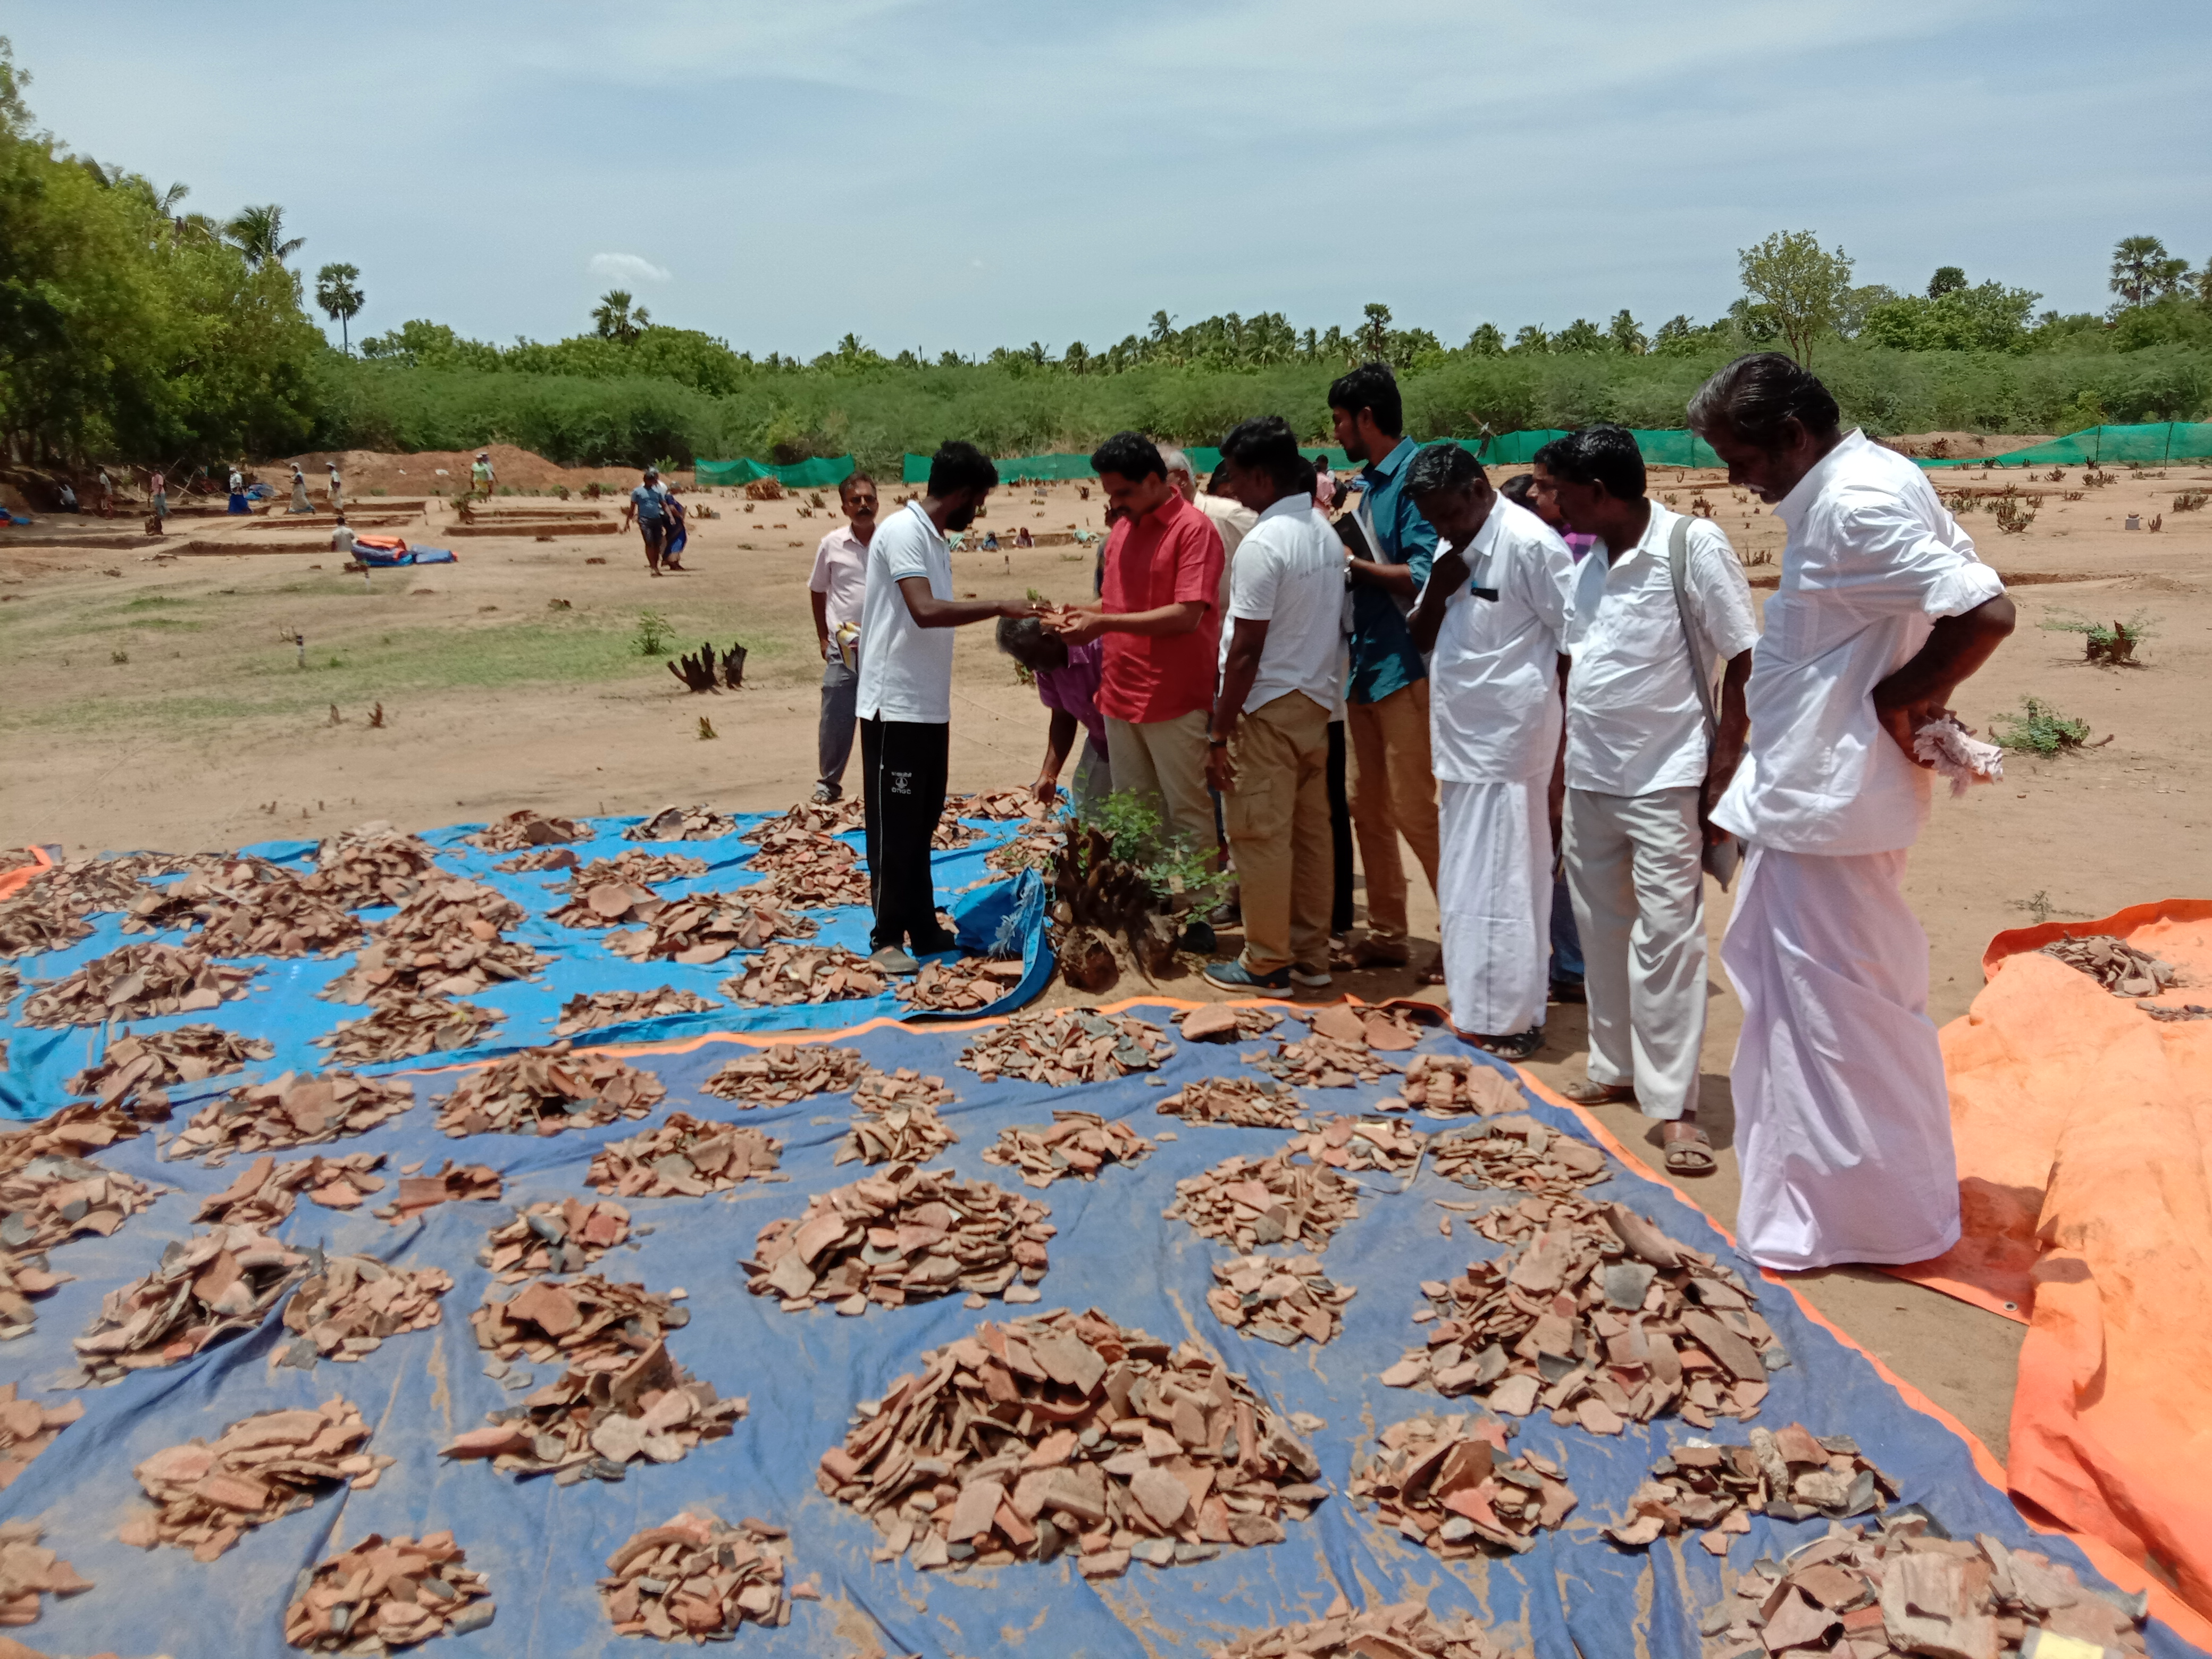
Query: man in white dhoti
point(1660, 604)
point(1490, 619)
point(1843, 1119)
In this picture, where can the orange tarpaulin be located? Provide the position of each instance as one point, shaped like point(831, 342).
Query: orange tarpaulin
point(12, 881)
point(2084, 1132)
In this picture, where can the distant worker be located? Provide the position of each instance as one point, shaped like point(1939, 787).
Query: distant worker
point(648, 507)
point(1158, 612)
point(1068, 685)
point(300, 502)
point(341, 540)
point(1267, 739)
point(66, 495)
point(679, 531)
point(907, 615)
point(1393, 790)
point(157, 486)
point(238, 503)
point(336, 486)
point(1843, 1116)
point(481, 480)
point(1022, 537)
point(106, 495)
point(839, 581)
point(990, 541)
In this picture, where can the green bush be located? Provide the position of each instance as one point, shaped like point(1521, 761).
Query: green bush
point(2038, 729)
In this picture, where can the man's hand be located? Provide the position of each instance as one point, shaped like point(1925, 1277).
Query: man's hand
point(1078, 624)
point(822, 645)
point(1020, 608)
point(1220, 770)
point(1045, 790)
point(1902, 718)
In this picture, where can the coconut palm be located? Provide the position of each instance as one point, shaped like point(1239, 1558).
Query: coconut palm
point(258, 234)
point(338, 291)
point(616, 316)
point(2142, 271)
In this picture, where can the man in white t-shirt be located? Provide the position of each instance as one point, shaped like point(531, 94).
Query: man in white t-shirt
point(1491, 618)
point(1843, 1116)
point(838, 579)
point(1644, 765)
point(905, 699)
point(1267, 745)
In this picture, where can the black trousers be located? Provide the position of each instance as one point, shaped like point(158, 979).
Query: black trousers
point(902, 769)
point(1339, 831)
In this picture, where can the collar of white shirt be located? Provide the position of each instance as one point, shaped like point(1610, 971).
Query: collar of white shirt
point(1791, 508)
point(1286, 507)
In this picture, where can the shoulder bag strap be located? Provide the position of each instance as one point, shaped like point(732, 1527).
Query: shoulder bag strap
point(1678, 559)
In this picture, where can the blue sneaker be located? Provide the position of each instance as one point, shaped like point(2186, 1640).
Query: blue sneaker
point(1236, 977)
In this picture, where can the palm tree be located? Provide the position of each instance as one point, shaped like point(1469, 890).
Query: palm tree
point(2142, 271)
point(338, 291)
point(258, 234)
point(618, 319)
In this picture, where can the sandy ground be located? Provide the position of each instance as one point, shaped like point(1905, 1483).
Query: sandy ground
point(155, 701)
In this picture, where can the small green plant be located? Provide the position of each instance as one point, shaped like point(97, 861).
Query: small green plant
point(1170, 867)
point(2112, 643)
point(118, 655)
point(652, 633)
point(379, 490)
point(2038, 729)
point(561, 492)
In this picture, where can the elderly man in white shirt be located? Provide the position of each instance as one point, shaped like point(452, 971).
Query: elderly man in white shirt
point(1267, 742)
point(1843, 1116)
point(834, 587)
point(1491, 620)
point(1657, 605)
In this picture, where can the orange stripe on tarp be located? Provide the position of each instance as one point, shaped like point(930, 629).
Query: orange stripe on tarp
point(2128, 1575)
point(14, 881)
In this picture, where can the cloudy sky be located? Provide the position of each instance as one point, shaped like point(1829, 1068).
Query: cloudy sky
point(978, 172)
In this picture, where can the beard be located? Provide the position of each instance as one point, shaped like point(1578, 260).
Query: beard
point(961, 519)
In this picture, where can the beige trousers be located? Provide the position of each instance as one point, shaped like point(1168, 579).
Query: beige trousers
point(1394, 793)
point(1165, 760)
point(1277, 820)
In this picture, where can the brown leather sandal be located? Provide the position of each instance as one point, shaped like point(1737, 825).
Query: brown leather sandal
point(1586, 1093)
point(1688, 1149)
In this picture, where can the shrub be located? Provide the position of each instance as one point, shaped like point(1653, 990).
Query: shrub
point(2038, 729)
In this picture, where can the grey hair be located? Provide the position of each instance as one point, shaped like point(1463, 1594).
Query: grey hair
point(1176, 461)
point(1442, 467)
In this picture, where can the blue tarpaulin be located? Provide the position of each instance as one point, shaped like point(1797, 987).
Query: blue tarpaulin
point(1001, 917)
point(1574, 1595)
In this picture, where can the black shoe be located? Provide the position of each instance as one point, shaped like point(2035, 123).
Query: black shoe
point(934, 944)
point(1568, 990)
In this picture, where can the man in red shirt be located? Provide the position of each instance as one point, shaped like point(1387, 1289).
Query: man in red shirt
point(1158, 617)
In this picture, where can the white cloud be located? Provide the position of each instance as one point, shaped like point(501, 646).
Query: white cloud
point(626, 268)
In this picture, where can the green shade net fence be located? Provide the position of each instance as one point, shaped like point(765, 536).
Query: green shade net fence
point(820, 473)
point(2148, 445)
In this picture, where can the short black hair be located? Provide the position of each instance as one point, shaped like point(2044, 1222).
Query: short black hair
point(1030, 643)
point(853, 481)
point(1129, 455)
point(1755, 396)
point(1518, 487)
point(1266, 444)
point(1547, 456)
point(1605, 455)
point(958, 465)
point(1442, 466)
point(1371, 387)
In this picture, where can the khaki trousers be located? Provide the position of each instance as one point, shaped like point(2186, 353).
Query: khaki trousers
point(1165, 760)
point(1394, 793)
point(1277, 820)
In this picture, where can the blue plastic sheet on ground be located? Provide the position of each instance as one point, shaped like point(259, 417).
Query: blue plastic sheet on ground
point(1574, 1595)
point(994, 915)
point(377, 559)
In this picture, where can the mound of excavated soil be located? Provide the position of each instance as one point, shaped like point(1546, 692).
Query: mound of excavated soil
point(432, 470)
point(1939, 446)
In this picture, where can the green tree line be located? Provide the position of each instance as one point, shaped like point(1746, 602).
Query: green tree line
point(130, 330)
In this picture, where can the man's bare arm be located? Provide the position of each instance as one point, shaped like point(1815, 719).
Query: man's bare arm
point(1957, 647)
point(930, 611)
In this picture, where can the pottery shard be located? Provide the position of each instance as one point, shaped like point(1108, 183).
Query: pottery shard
point(1162, 1497)
point(977, 1507)
point(1725, 1346)
point(1215, 1019)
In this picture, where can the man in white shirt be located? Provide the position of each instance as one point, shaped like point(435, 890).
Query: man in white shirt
point(905, 700)
point(1843, 1116)
point(338, 487)
point(838, 579)
point(1267, 745)
point(1491, 619)
point(1644, 762)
